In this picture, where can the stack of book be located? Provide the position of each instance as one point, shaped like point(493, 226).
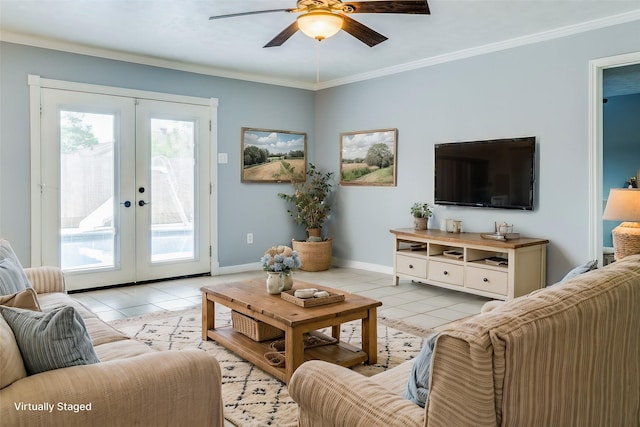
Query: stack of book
point(453, 254)
point(496, 260)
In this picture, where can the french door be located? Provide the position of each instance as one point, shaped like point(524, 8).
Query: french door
point(125, 187)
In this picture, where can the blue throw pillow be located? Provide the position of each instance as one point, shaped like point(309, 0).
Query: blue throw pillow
point(50, 340)
point(12, 277)
point(417, 389)
point(588, 266)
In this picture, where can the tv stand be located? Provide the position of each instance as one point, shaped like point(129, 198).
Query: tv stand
point(467, 262)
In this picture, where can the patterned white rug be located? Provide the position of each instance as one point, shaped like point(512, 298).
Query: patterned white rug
point(251, 396)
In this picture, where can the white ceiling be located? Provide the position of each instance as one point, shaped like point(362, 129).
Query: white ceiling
point(178, 33)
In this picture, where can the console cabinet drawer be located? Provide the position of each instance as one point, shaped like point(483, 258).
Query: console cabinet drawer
point(411, 266)
point(487, 280)
point(446, 273)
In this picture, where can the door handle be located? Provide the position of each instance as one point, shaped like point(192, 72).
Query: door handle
point(126, 204)
point(142, 203)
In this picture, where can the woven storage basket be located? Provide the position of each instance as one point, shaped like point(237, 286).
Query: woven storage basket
point(315, 256)
point(254, 329)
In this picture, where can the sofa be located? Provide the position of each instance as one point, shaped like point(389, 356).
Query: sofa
point(132, 385)
point(566, 355)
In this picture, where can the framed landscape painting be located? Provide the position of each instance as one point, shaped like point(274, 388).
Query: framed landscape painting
point(368, 157)
point(263, 151)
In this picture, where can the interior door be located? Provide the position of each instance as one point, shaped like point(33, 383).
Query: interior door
point(125, 188)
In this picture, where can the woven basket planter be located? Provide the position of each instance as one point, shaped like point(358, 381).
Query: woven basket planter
point(315, 256)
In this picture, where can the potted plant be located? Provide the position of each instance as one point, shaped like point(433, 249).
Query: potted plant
point(421, 213)
point(310, 209)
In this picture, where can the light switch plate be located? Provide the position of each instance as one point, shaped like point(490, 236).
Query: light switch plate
point(223, 158)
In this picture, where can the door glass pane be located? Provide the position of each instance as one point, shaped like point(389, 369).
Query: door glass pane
point(173, 185)
point(87, 232)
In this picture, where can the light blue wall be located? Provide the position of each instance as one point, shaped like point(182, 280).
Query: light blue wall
point(242, 207)
point(540, 90)
point(621, 148)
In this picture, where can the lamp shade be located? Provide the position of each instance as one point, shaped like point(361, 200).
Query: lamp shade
point(320, 24)
point(623, 204)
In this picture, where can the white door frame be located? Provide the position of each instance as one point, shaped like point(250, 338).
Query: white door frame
point(595, 146)
point(36, 83)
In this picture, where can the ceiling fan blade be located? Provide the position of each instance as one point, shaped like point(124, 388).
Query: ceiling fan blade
point(407, 6)
point(363, 33)
point(255, 12)
point(283, 36)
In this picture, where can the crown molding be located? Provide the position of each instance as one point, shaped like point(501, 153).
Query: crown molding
point(489, 48)
point(52, 44)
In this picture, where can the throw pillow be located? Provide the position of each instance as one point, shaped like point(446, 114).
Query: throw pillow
point(12, 277)
point(588, 266)
point(50, 340)
point(11, 364)
point(417, 389)
point(27, 299)
point(6, 251)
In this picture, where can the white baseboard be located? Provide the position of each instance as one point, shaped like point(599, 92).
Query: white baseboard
point(241, 268)
point(256, 266)
point(376, 268)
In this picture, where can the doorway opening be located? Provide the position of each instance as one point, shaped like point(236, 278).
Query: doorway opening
point(597, 199)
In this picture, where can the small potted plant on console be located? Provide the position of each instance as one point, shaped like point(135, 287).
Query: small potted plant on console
point(421, 213)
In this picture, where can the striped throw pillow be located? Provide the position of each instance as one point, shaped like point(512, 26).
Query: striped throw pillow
point(50, 340)
point(12, 277)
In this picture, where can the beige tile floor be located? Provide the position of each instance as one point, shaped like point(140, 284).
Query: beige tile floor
point(414, 303)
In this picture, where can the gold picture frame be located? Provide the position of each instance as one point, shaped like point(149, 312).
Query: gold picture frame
point(263, 150)
point(369, 157)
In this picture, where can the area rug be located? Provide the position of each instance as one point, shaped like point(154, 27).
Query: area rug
point(251, 396)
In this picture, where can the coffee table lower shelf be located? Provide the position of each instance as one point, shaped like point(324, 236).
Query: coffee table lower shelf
point(342, 354)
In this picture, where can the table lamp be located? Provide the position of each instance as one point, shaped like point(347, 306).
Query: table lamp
point(624, 205)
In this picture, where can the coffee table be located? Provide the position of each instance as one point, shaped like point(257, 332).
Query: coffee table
point(250, 298)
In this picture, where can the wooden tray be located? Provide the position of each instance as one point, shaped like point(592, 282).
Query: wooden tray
point(311, 302)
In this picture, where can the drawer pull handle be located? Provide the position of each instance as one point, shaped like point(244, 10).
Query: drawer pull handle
point(485, 280)
point(446, 273)
point(410, 265)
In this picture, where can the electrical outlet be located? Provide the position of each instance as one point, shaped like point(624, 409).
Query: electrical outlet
point(249, 238)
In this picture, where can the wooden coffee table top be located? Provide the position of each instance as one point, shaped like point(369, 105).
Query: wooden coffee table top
point(252, 295)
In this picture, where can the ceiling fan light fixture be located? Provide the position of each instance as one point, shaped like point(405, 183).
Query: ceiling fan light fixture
point(320, 24)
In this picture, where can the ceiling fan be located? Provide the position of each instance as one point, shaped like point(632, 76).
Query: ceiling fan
point(321, 19)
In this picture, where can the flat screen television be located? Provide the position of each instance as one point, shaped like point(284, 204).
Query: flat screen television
point(497, 173)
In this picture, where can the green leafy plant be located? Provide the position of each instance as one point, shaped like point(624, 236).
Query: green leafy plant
point(310, 206)
point(421, 210)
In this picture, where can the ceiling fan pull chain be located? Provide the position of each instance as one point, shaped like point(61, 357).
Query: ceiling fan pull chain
point(318, 62)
